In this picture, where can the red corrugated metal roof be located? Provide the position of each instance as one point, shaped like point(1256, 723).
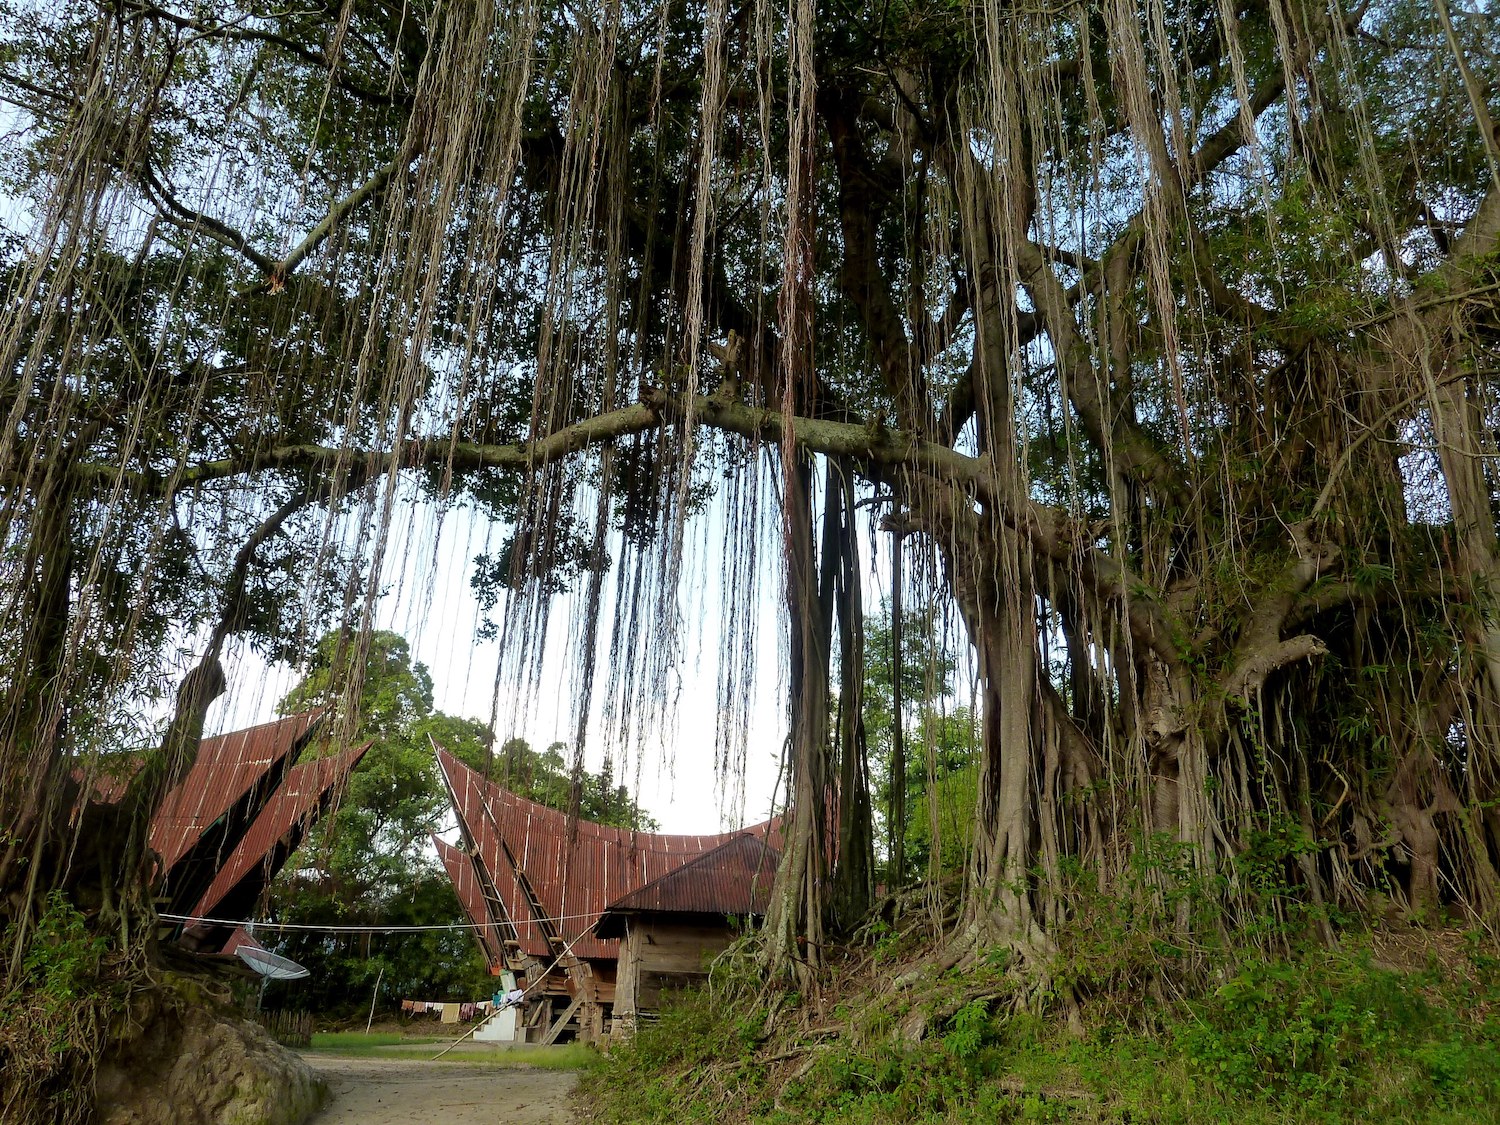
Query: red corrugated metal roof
point(240, 940)
point(466, 884)
point(224, 771)
point(291, 809)
point(734, 878)
point(522, 846)
point(111, 785)
point(487, 855)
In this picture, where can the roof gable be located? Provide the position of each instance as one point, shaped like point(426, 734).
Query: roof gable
point(278, 830)
point(468, 886)
point(226, 769)
point(532, 855)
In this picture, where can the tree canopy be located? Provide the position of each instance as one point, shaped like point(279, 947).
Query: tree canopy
point(1162, 338)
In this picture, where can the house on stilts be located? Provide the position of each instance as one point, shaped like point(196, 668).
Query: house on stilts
point(535, 885)
point(667, 928)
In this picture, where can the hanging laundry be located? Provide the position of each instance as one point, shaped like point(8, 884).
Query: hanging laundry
point(450, 1013)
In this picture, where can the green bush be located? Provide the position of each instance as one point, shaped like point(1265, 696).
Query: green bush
point(56, 1013)
point(1337, 1033)
point(60, 970)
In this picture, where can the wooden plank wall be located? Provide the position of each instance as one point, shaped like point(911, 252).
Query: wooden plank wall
point(661, 956)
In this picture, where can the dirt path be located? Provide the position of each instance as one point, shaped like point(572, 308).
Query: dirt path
point(397, 1091)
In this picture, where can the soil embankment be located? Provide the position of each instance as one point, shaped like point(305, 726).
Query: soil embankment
point(376, 1091)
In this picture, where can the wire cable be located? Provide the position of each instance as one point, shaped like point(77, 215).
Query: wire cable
point(389, 929)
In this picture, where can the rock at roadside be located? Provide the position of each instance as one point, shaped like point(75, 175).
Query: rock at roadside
point(194, 1065)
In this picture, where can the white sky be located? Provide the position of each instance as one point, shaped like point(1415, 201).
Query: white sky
point(428, 600)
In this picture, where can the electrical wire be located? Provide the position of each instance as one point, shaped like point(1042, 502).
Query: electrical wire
point(390, 929)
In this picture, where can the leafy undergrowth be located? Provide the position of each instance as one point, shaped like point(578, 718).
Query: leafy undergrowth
point(1325, 1037)
point(56, 1017)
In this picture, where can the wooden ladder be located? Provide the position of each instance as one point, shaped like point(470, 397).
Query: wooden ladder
point(556, 1029)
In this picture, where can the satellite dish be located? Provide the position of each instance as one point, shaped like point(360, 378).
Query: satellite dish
point(270, 965)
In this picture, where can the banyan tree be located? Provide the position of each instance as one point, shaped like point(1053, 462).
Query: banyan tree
point(1160, 342)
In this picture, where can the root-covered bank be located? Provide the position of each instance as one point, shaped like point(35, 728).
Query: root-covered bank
point(1158, 343)
point(1397, 1027)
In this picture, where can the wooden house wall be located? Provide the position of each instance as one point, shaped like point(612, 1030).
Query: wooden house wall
point(659, 955)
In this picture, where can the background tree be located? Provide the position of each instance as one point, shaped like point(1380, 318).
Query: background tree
point(370, 862)
point(547, 778)
point(941, 746)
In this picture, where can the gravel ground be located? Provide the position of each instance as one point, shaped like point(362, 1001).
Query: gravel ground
point(375, 1091)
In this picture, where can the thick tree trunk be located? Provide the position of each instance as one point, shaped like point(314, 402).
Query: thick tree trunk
point(794, 919)
point(854, 865)
point(996, 597)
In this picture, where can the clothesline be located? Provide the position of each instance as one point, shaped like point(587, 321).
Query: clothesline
point(392, 929)
point(451, 1011)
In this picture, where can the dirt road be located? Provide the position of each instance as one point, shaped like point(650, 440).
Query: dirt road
point(397, 1091)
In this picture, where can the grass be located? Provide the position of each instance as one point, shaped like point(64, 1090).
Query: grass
point(356, 1042)
point(570, 1056)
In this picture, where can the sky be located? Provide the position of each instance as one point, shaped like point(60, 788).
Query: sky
point(427, 598)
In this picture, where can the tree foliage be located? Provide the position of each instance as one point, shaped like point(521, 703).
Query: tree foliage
point(939, 771)
point(1165, 337)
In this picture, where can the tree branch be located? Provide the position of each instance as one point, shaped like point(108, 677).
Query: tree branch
point(233, 613)
point(222, 30)
point(336, 214)
point(275, 272)
point(1087, 388)
point(1260, 650)
point(862, 202)
point(185, 217)
point(1051, 531)
point(1251, 671)
point(203, 683)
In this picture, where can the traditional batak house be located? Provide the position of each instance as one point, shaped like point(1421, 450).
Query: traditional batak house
point(539, 884)
point(223, 832)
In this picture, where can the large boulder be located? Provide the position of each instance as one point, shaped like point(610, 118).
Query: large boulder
point(190, 1062)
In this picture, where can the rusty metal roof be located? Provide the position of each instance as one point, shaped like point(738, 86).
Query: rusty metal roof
point(225, 771)
point(466, 884)
point(734, 878)
point(549, 887)
point(251, 750)
point(276, 833)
